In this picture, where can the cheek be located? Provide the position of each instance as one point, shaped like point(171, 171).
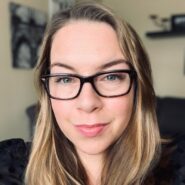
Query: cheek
point(121, 107)
point(62, 110)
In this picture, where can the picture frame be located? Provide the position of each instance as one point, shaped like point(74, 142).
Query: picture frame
point(56, 5)
point(27, 26)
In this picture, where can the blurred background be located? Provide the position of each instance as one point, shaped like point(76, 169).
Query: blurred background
point(166, 52)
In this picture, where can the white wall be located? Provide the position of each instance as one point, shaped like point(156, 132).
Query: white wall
point(17, 90)
point(167, 54)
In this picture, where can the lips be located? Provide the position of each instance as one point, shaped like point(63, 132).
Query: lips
point(91, 130)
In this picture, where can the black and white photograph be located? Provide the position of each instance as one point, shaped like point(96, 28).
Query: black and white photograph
point(59, 5)
point(27, 31)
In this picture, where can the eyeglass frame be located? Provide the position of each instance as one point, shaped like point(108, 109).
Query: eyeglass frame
point(88, 79)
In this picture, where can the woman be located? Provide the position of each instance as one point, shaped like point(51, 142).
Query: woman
point(97, 122)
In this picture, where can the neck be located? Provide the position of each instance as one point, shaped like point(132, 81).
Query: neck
point(93, 165)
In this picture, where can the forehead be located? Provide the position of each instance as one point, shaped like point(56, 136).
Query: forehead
point(85, 42)
point(81, 32)
point(83, 26)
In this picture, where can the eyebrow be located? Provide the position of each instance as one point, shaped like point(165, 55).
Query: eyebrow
point(59, 64)
point(113, 63)
point(104, 66)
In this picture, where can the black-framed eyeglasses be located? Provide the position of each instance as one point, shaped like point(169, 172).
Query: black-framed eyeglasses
point(64, 86)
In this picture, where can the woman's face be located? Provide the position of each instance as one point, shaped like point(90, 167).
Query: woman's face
point(91, 122)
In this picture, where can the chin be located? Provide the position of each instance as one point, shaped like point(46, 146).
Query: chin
point(93, 148)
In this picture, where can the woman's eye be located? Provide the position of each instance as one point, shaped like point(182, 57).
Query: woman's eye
point(64, 80)
point(112, 77)
point(115, 77)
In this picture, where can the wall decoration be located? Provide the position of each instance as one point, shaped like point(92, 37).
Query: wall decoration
point(27, 29)
point(56, 5)
point(161, 22)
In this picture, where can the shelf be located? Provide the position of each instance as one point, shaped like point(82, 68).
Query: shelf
point(161, 34)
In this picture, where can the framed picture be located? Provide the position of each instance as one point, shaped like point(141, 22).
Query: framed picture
point(27, 30)
point(56, 5)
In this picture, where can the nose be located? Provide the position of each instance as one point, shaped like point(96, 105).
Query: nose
point(88, 100)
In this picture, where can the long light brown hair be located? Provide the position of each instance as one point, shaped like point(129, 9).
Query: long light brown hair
point(53, 159)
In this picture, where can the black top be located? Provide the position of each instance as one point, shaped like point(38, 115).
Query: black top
point(13, 160)
point(170, 170)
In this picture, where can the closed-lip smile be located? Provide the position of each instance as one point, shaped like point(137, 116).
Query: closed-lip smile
point(91, 130)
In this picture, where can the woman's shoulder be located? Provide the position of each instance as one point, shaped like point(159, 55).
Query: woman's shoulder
point(13, 160)
point(171, 167)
